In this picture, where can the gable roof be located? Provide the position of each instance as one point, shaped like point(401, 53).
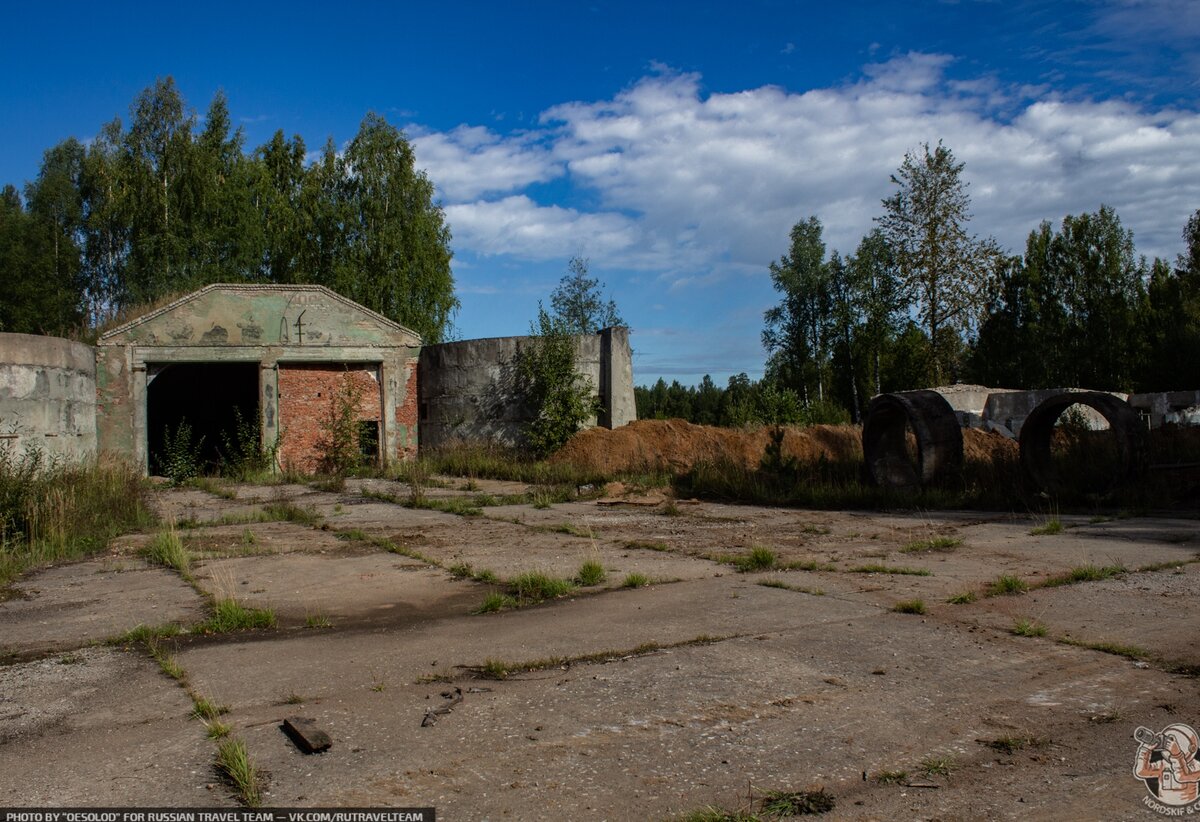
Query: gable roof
point(251, 291)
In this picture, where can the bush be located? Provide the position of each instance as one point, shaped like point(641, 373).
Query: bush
point(180, 459)
point(559, 398)
point(243, 454)
point(338, 443)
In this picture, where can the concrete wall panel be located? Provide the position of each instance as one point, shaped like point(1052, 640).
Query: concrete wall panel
point(47, 396)
point(468, 393)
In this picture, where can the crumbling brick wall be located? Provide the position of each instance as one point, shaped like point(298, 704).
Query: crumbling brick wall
point(307, 395)
point(406, 414)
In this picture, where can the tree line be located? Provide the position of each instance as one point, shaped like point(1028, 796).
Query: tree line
point(169, 203)
point(922, 302)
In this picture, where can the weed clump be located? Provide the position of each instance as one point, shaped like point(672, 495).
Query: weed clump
point(910, 606)
point(230, 615)
point(1007, 584)
point(166, 549)
point(590, 572)
point(935, 544)
point(233, 762)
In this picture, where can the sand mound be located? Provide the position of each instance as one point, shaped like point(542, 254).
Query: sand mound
point(677, 445)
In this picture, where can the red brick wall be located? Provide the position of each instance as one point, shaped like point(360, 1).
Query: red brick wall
point(306, 395)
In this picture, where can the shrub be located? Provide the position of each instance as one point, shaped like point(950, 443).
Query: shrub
point(338, 442)
point(243, 454)
point(180, 458)
point(545, 378)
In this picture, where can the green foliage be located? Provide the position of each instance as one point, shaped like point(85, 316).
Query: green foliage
point(1006, 584)
point(590, 572)
point(52, 510)
point(933, 544)
point(559, 398)
point(166, 549)
point(244, 455)
point(1052, 527)
point(910, 606)
point(234, 763)
point(535, 586)
point(578, 304)
point(175, 201)
point(338, 442)
point(942, 267)
point(230, 615)
point(180, 458)
point(635, 580)
point(1028, 627)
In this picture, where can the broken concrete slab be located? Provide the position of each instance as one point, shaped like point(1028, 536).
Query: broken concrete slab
point(100, 727)
point(71, 605)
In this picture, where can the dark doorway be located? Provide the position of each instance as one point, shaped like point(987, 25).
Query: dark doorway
point(207, 398)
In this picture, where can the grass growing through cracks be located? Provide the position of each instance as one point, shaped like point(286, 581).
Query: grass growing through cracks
point(1053, 526)
point(891, 569)
point(1028, 627)
point(1006, 585)
point(234, 763)
point(910, 606)
point(934, 544)
point(166, 549)
point(230, 615)
point(1084, 573)
point(635, 580)
point(499, 669)
point(590, 572)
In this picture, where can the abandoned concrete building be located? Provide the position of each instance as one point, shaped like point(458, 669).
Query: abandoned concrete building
point(275, 357)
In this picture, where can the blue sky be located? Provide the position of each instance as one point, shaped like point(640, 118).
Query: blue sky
point(672, 144)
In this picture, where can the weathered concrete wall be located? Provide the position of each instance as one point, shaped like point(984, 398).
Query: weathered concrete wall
point(47, 396)
point(1177, 407)
point(1009, 409)
point(467, 389)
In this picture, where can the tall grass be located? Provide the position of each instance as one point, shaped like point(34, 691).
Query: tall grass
point(52, 509)
point(485, 461)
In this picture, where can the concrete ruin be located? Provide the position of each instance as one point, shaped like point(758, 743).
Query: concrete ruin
point(467, 388)
point(274, 357)
point(47, 396)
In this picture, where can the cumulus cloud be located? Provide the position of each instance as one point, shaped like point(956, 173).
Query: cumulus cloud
point(517, 225)
point(696, 186)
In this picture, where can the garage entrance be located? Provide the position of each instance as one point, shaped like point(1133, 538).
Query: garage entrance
point(208, 398)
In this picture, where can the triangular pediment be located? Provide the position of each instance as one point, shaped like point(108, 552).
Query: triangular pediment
point(252, 315)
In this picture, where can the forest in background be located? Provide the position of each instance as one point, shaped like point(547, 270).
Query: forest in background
point(923, 302)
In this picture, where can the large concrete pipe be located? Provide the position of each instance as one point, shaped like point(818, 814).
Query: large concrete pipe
point(939, 444)
point(1125, 428)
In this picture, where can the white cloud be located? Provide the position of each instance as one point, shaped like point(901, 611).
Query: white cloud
point(471, 161)
point(697, 187)
point(517, 225)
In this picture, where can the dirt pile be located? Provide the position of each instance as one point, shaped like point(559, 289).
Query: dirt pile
point(677, 445)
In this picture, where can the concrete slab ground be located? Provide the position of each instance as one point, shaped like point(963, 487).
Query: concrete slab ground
point(99, 727)
point(644, 703)
point(84, 602)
